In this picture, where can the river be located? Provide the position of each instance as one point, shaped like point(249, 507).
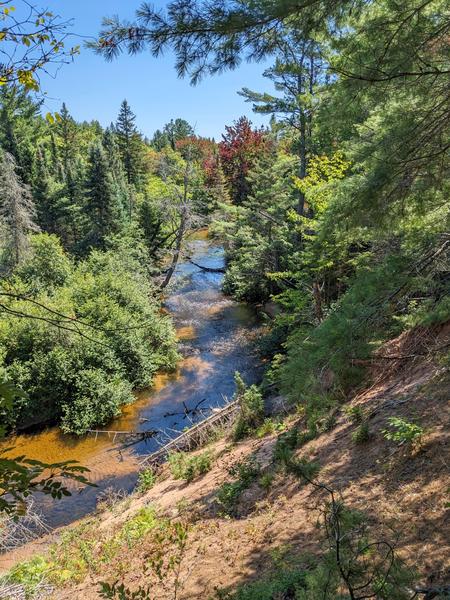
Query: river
point(215, 338)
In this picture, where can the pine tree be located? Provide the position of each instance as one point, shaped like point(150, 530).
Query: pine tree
point(297, 71)
point(129, 142)
point(103, 207)
point(67, 132)
point(17, 210)
point(20, 128)
point(177, 130)
point(42, 194)
point(55, 162)
point(112, 151)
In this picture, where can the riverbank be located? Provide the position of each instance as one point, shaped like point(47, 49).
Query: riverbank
point(268, 526)
point(215, 339)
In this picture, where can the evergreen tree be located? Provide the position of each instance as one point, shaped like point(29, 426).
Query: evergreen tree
point(160, 140)
point(103, 207)
point(68, 136)
point(55, 162)
point(123, 189)
point(130, 143)
point(20, 128)
point(297, 71)
point(42, 194)
point(17, 211)
point(177, 130)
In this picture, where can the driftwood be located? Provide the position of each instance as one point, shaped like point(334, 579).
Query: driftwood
point(18, 591)
point(186, 410)
point(140, 435)
point(207, 269)
point(16, 532)
point(197, 435)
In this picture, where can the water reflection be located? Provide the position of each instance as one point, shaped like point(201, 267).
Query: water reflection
point(214, 337)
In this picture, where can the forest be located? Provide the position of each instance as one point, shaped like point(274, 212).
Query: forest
point(334, 219)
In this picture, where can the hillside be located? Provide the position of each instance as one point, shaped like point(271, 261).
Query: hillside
point(272, 525)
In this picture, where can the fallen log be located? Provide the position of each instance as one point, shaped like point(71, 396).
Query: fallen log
point(194, 437)
point(207, 269)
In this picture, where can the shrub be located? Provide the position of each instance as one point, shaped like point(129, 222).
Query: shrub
point(80, 373)
point(96, 399)
point(229, 493)
point(138, 527)
point(185, 466)
point(266, 480)
point(146, 481)
point(303, 468)
point(280, 584)
point(30, 574)
point(348, 331)
point(402, 431)
point(269, 427)
point(286, 444)
point(251, 402)
point(361, 433)
point(355, 414)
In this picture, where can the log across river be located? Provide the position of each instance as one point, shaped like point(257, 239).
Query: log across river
point(215, 340)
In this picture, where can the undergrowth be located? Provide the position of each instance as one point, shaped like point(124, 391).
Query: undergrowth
point(185, 466)
point(229, 494)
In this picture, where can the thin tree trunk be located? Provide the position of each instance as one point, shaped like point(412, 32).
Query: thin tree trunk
point(181, 229)
point(177, 252)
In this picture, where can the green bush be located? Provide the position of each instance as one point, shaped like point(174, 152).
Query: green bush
point(229, 493)
point(266, 480)
point(356, 324)
point(251, 413)
point(30, 574)
point(355, 414)
point(280, 584)
point(111, 336)
point(188, 467)
point(269, 427)
point(138, 527)
point(361, 434)
point(146, 480)
point(95, 399)
point(402, 431)
point(286, 443)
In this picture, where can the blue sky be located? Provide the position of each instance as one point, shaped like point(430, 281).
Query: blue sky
point(93, 88)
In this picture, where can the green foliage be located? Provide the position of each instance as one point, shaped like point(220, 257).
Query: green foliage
point(251, 403)
point(269, 427)
point(361, 433)
point(146, 481)
point(185, 466)
point(280, 584)
point(29, 574)
point(164, 564)
point(229, 493)
point(21, 476)
point(129, 144)
point(355, 414)
point(48, 266)
point(286, 443)
point(118, 591)
point(139, 526)
point(266, 480)
point(402, 431)
point(87, 342)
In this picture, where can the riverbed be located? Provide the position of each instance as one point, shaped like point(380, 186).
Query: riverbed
point(216, 337)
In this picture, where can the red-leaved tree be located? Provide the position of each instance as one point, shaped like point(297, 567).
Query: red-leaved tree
point(239, 150)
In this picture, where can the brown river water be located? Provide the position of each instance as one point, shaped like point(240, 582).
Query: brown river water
point(215, 336)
